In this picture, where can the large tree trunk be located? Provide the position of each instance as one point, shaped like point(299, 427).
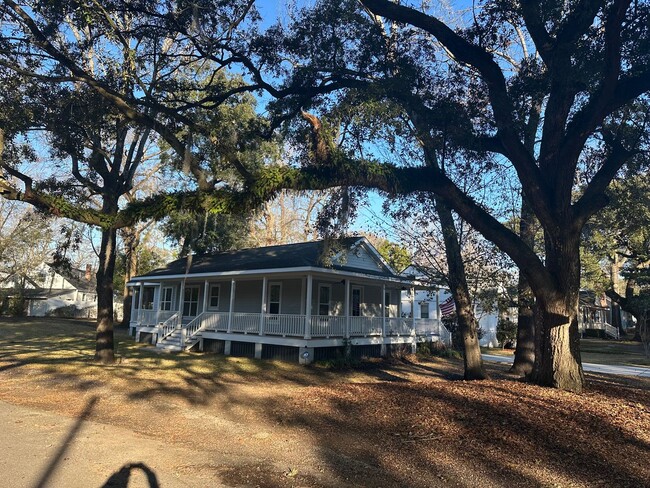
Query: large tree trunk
point(105, 348)
point(525, 350)
point(131, 241)
point(557, 362)
point(460, 292)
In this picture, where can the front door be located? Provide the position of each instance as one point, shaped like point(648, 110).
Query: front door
point(190, 301)
point(356, 302)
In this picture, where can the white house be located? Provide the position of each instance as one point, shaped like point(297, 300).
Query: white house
point(425, 303)
point(305, 301)
point(49, 287)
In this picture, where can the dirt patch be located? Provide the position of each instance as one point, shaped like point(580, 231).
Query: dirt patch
point(390, 424)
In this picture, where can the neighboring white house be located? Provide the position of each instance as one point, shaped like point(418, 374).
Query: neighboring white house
point(49, 287)
point(305, 301)
point(426, 305)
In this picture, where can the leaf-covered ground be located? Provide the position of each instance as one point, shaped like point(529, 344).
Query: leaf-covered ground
point(389, 424)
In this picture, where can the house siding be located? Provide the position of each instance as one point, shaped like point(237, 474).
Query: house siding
point(248, 296)
point(359, 258)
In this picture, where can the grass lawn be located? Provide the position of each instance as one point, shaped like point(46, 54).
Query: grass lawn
point(390, 423)
point(599, 351)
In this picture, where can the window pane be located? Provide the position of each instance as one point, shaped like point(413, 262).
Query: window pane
point(356, 302)
point(214, 296)
point(147, 298)
point(274, 308)
point(324, 294)
point(424, 310)
point(324, 300)
point(274, 294)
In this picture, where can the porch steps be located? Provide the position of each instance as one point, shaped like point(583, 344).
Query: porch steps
point(172, 343)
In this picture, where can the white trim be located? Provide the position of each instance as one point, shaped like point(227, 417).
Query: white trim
point(329, 294)
point(198, 296)
point(302, 269)
point(374, 253)
point(309, 297)
point(387, 306)
point(268, 301)
point(360, 288)
point(210, 306)
point(171, 298)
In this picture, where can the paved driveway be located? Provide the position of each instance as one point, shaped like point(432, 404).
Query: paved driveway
point(590, 367)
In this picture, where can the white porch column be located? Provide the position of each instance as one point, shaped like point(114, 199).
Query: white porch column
point(383, 310)
point(156, 302)
point(133, 304)
point(413, 307)
point(347, 308)
point(263, 312)
point(438, 311)
point(140, 303)
point(308, 307)
point(232, 304)
point(181, 298)
point(206, 291)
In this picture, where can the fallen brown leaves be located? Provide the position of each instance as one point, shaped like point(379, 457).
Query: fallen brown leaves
point(391, 424)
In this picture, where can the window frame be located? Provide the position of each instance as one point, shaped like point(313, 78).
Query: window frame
point(268, 298)
point(360, 289)
point(328, 287)
point(211, 296)
point(198, 294)
point(163, 302)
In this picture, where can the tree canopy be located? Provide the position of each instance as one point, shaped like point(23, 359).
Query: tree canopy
point(573, 74)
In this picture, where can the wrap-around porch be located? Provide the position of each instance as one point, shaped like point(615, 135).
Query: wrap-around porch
point(313, 307)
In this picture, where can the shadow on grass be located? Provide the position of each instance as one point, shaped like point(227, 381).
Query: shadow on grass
point(390, 431)
point(120, 479)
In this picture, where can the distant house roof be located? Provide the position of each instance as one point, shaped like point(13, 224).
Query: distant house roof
point(82, 280)
point(319, 254)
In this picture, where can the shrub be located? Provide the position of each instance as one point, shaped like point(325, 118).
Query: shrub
point(506, 332)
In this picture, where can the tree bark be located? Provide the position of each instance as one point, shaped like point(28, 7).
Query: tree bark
point(467, 322)
point(105, 347)
point(525, 351)
point(131, 241)
point(557, 362)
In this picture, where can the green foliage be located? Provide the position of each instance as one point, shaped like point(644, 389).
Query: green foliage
point(396, 255)
point(206, 232)
point(506, 331)
point(148, 259)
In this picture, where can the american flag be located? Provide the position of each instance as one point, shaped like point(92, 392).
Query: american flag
point(447, 307)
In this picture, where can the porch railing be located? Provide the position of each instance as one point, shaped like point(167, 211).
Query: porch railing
point(247, 323)
point(366, 326)
point(215, 321)
point(155, 317)
point(599, 325)
point(169, 325)
point(398, 326)
point(284, 324)
point(293, 325)
point(327, 326)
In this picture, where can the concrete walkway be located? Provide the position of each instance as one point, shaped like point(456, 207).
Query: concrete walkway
point(639, 371)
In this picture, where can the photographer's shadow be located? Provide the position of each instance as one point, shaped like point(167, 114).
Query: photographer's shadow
point(120, 479)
